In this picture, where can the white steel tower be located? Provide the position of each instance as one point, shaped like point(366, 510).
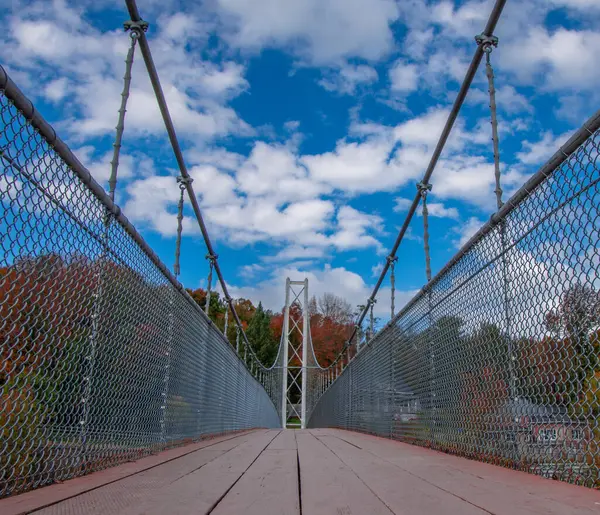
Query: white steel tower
point(296, 320)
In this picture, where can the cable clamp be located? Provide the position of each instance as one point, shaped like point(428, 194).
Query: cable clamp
point(487, 43)
point(136, 27)
point(423, 188)
point(184, 181)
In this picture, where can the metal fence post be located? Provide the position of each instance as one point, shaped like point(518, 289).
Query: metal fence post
point(165, 392)
point(94, 340)
point(432, 388)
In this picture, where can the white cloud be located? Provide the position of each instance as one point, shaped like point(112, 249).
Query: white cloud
point(320, 31)
point(577, 4)
point(251, 271)
point(90, 64)
point(416, 43)
point(136, 164)
point(404, 77)
point(292, 252)
point(260, 219)
point(341, 281)
point(472, 179)
point(467, 229)
point(508, 99)
point(56, 90)
point(214, 187)
point(348, 78)
point(386, 158)
point(437, 209)
point(424, 130)
point(542, 150)
point(269, 198)
point(355, 167)
point(353, 227)
point(561, 60)
point(149, 202)
point(291, 125)
point(445, 65)
point(274, 171)
point(464, 21)
point(401, 204)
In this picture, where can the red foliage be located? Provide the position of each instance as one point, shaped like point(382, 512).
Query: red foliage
point(44, 303)
point(329, 338)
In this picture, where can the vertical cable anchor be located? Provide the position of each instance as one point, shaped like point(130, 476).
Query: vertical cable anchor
point(135, 30)
point(371, 303)
point(424, 189)
point(183, 182)
point(392, 260)
point(487, 44)
point(211, 260)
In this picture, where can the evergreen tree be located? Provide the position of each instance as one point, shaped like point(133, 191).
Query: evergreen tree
point(261, 336)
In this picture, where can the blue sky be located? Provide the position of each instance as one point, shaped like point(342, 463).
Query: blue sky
point(306, 124)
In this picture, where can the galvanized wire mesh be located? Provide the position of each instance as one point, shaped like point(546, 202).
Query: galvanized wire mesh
point(318, 378)
point(104, 358)
point(497, 359)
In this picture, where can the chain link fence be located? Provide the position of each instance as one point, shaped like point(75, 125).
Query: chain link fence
point(497, 358)
point(104, 357)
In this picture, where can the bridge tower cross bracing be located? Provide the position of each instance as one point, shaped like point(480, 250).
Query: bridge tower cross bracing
point(294, 381)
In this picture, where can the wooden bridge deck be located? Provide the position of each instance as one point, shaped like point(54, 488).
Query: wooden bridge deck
point(308, 472)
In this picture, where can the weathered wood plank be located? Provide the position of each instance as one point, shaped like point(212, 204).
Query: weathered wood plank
point(402, 492)
point(269, 486)
point(285, 440)
point(199, 491)
point(341, 473)
point(496, 489)
point(330, 487)
point(38, 499)
point(115, 498)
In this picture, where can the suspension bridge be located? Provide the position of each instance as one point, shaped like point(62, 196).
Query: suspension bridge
point(120, 395)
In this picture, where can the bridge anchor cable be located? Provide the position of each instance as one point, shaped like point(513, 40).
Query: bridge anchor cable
point(423, 189)
point(182, 181)
point(135, 29)
point(487, 44)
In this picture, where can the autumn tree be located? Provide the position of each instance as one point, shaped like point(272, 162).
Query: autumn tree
point(331, 325)
point(216, 307)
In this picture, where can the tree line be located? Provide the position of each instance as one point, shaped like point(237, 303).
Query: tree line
point(331, 322)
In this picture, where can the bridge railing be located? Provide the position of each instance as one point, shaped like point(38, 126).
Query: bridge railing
point(496, 358)
point(104, 356)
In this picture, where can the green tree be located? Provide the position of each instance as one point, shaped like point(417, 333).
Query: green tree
point(261, 336)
